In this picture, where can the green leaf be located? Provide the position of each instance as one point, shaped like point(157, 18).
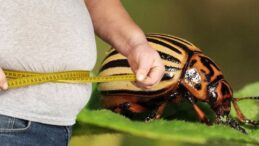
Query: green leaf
point(183, 128)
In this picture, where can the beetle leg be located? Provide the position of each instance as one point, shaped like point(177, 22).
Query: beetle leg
point(156, 114)
point(129, 106)
point(234, 124)
point(200, 113)
point(226, 120)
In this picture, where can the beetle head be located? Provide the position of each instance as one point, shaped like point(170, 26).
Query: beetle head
point(220, 96)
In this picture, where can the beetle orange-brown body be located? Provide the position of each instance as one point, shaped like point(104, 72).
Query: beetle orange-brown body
point(189, 74)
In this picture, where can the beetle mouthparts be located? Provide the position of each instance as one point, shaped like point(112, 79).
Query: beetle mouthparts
point(221, 119)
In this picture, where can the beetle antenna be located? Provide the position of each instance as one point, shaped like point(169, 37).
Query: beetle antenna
point(245, 98)
point(241, 117)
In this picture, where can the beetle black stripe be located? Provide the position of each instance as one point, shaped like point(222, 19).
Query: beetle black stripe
point(186, 65)
point(168, 57)
point(119, 74)
point(185, 48)
point(114, 52)
point(181, 45)
point(192, 63)
point(124, 63)
point(115, 63)
point(130, 92)
point(171, 68)
point(211, 62)
point(208, 63)
point(164, 44)
point(215, 81)
point(173, 37)
point(166, 77)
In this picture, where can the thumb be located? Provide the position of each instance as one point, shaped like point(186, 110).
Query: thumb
point(143, 70)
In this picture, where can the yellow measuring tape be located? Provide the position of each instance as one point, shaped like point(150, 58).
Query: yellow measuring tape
point(18, 79)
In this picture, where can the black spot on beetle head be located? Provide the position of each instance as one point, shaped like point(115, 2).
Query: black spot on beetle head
point(197, 86)
point(193, 62)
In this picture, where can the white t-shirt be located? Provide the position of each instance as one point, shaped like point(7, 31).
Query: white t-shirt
point(46, 36)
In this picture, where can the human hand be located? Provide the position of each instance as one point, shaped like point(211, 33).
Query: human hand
point(146, 63)
point(113, 24)
point(3, 81)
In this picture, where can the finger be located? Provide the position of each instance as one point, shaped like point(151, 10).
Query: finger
point(3, 80)
point(156, 73)
point(154, 76)
point(149, 82)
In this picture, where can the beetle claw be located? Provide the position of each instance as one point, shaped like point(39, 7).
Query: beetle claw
point(234, 124)
point(150, 117)
point(226, 120)
point(206, 121)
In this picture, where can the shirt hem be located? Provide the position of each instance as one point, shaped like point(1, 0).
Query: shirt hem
point(50, 121)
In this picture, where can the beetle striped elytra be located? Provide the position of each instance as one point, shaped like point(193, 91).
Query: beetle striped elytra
point(189, 74)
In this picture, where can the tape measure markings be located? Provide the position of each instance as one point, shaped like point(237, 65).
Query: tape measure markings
point(18, 79)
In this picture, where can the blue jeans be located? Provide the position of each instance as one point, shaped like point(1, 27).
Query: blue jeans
point(19, 132)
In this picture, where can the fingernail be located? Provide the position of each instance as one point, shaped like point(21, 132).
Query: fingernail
point(140, 77)
point(5, 86)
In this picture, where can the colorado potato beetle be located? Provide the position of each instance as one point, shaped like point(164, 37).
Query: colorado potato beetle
point(189, 74)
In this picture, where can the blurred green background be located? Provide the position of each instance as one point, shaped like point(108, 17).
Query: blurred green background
point(226, 31)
